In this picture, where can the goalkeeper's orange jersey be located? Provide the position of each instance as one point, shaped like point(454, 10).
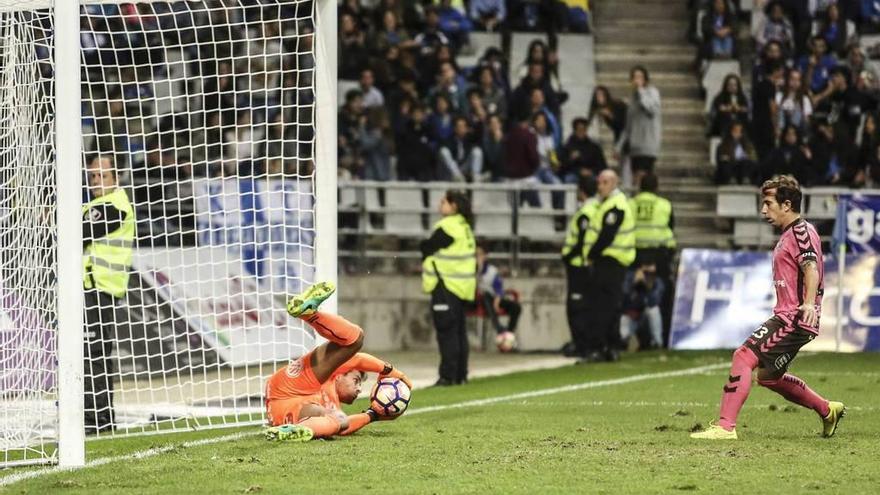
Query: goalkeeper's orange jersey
point(295, 385)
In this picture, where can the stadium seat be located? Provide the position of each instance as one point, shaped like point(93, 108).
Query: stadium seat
point(821, 203)
point(404, 211)
point(737, 201)
point(714, 76)
point(714, 143)
point(753, 233)
point(537, 223)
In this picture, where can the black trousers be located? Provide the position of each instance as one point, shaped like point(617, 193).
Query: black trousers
point(98, 371)
point(576, 307)
point(448, 312)
point(605, 300)
point(508, 305)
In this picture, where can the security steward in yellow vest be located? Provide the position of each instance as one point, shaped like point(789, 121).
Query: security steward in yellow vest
point(577, 273)
point(108, 238)
point(655, 240)
point(612, 250)
point(449, 274)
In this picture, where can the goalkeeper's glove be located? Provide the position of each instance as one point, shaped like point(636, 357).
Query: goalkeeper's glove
point(392, 372)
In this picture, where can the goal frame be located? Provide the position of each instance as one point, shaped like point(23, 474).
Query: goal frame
point(69, 146)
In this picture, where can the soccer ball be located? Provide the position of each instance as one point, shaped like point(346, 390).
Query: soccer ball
point(390, 397)
point(505, 341)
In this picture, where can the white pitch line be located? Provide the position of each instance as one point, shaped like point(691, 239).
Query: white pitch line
point(571, 388)
point(142, 454)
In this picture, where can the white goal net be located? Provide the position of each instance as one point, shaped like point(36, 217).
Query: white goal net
point(203, 114)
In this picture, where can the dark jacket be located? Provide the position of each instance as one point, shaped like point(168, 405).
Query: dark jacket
point(580, 154)
point(521, 153)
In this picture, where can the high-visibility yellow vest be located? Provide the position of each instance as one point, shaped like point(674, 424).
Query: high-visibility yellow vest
point(623, 247)
point(652, 215)
point(456, 263)
point(588, 209)
point(106, 260)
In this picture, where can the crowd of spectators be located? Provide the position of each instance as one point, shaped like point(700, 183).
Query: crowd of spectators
point(813, 106)
point(412, 112)
point(182, 89)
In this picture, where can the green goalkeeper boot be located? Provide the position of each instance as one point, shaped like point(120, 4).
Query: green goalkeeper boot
point(289, 433)
point(307, 303)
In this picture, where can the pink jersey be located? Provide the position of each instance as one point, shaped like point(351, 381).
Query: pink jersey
point(799, 242)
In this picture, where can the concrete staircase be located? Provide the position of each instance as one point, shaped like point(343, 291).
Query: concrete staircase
point(652, 33)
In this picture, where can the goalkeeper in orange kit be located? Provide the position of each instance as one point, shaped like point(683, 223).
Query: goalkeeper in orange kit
point(303, 398)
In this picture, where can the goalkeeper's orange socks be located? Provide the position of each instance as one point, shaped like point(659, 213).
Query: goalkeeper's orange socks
point(356, 422)
point(322, 426)
point(334, 328)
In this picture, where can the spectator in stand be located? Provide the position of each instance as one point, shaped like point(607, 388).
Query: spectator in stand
point(352, 43)
point(539, 53)
point(376, 144)
point(869, 146)
point(817, 65)
point(242, 145)
point(401, 100)
point(491, 93)
point(452, 86)
point(610, 110)
point(455, 24)
point(844, 104)
point(477, 115)
point(415, 154)
point(763, 103)
point(789, 158)
point(581, 155)
point(494, 59)
point(730, 105)
point(431, 36)
point(719, 30)
point(771, 56)
point(349, 122)
point(855, 62)
point(536, 105)
point(547, 150)
point(640, 139)
point(440, 121)
point(836, 30)
point(487, 15)
point(537, 15)
point(460, 158)
point(493, 148)
point(775, 27)
point(536, 79)
point(793, 106)
point(870, 17)
point(578, 19)
point(643, 291)
point(833, 159)
point(521, 159)
point(372, 97)
point(357, 12)
point(736, 157)
point(390, 34)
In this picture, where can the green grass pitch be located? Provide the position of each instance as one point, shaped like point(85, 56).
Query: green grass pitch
point(619, 435)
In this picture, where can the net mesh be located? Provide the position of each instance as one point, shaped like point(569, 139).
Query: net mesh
point(27, 236)
point(205, 109)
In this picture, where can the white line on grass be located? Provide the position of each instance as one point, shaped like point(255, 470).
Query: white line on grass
point(571, 388)
point(142, 454)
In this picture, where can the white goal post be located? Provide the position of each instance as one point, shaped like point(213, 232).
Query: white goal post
point(219, 118)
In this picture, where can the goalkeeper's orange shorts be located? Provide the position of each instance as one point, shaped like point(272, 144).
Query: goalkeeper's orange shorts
point(286, 411)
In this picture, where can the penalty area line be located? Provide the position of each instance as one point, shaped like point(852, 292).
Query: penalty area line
point(143, 454)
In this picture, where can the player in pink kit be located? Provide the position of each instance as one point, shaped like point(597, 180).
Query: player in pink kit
point(798, 271)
